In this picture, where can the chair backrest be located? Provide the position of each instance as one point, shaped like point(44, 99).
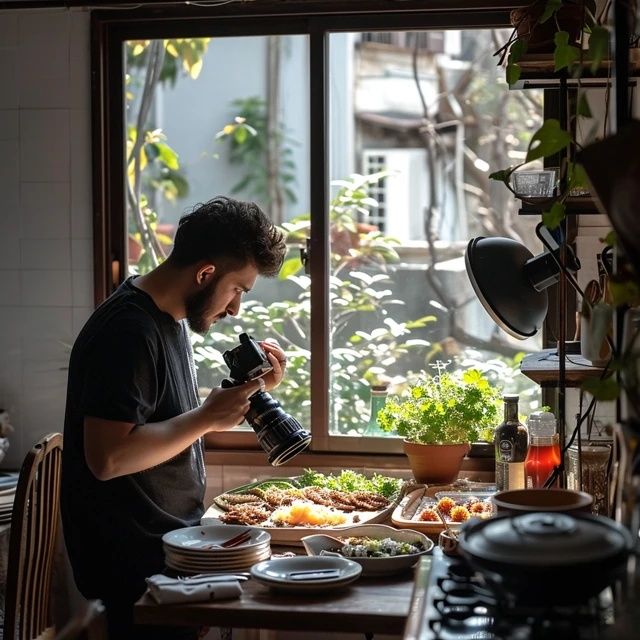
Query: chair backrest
point(90, 624)
point(34, 526)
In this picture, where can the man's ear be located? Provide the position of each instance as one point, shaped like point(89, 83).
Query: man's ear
point(204, 273)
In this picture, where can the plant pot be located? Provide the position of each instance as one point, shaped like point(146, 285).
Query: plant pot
point(435, 463)
point(540, 36)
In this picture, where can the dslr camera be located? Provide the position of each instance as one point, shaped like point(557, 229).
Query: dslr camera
point(279, 434)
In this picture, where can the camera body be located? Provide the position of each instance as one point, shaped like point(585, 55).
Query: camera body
point(279, 434)
point(246, 361)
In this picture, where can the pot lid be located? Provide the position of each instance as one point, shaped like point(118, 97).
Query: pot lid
point(551, 539)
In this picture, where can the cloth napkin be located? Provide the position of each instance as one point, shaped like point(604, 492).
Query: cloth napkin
point(201, 588)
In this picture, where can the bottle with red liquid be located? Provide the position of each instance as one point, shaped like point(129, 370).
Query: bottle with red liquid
point(543, 455)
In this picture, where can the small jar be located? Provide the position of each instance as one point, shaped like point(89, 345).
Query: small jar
point(543, 455)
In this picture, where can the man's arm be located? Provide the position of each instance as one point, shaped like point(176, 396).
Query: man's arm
point(114, 448)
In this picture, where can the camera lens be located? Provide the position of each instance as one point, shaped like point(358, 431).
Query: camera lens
point(279, 434)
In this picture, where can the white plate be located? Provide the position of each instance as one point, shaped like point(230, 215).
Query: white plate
point(206, 554)
point(197, 538)
point(205, 567)
point(306, 573)
point(317, 544)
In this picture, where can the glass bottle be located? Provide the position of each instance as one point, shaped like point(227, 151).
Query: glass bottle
point(511, 441)
point(378, 399)
point(543, 455)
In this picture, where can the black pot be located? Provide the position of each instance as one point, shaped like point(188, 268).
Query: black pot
point(547, 558)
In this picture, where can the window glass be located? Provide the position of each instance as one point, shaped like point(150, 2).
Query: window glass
point(417, 122)
point(223, 116)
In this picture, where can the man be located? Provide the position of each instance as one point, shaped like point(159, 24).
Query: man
point(133, 465)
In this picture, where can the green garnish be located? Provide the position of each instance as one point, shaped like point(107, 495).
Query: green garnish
point(349, 480)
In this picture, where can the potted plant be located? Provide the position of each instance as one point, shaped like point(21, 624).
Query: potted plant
point(438, 418)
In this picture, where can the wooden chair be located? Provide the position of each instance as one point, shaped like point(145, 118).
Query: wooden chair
point(90, 624)
point(34, 526)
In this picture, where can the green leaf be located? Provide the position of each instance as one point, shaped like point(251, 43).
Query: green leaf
point(550, 9)
point(517, 50)
point(504, 175)
point(240, 135)
point(290, 267)
point(513, 73)
point(550, 138)
point(564, 54)
point(598, 46)
point(583, 109)
point(552, 218)
point(603, 390)
point(610, 239)
point(578, 176)
point(168, 156)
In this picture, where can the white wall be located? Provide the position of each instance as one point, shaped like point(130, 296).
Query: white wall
point(46, 286)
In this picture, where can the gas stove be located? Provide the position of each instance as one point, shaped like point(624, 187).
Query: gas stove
point(458, 605)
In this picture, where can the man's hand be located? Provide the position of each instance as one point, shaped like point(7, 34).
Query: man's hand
point(278, 361)
point(224, 409)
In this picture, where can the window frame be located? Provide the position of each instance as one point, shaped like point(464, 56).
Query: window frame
point(109, 31)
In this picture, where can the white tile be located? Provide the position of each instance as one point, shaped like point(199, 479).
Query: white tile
point(8, 123)
point(82, 253)
point(45, 209)
point(9, 173)
point(82, 288)
point(80, 61)
point(9, 28)
point(46, 288)
point(46, 322)
point(81, 209)
point(79, 317)
point(9, 75)
point(50, 92)
point(44, 145)
point(44, 29)
point(10, 331)
point(45, 253)
point(9, 288)
point(9, 253)
point(44, 394)
point(47, 353)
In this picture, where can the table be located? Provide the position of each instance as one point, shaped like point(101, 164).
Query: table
point(369, 606)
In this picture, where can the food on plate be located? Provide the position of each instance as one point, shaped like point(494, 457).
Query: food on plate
point(319, 499)
point(428, 515)
point(459, 514)
point(307, 514)
point(363, 547)
point(446, 504)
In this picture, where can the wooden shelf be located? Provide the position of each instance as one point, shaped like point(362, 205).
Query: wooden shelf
point(542, 367)
point(576, 205)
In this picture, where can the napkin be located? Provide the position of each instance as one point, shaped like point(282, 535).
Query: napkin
point(201, 588)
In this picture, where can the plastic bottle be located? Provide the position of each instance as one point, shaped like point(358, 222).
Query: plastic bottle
point(543, 455)
point(511, 443)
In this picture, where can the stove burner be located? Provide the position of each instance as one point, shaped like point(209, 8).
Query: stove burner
point(460, 606)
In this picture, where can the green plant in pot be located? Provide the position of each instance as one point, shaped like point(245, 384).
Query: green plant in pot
point(438, 419)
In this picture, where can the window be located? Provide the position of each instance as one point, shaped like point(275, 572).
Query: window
point(373, 136)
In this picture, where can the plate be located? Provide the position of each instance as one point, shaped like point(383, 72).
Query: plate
point(198, 538)
point(306, 573)
point(291, 534)
point(317, 545)
point(406, 514)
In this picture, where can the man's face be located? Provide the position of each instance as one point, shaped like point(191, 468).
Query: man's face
point(219, 298)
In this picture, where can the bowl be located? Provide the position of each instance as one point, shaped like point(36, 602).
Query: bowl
point(321, 544)
point(553, 500)
point(448, 543)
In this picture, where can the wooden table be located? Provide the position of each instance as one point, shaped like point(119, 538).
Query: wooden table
point(369, 606)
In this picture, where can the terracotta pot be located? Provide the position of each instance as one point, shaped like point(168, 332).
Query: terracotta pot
point(435, 463)
point(540, 36)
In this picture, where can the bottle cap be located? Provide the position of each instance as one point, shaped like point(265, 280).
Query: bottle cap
point(541, 423)
point(510, 397)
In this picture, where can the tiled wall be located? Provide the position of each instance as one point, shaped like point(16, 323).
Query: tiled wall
point(46, 287)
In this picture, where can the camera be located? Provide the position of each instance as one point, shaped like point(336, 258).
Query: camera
point(279, 434)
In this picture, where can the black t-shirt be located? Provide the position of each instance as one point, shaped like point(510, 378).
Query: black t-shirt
point(130, 363)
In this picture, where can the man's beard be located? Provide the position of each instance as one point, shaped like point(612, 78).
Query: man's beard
point(198, 304)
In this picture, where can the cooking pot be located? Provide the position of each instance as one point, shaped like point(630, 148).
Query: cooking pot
point(547, 558)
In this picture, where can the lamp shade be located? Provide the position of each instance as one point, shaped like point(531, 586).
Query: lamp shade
point(500, 273)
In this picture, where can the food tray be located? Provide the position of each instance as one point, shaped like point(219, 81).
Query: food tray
point(291, 535)
point(405, 514)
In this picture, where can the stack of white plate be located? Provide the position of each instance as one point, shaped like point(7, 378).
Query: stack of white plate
point(196, 550)
point(8, 482)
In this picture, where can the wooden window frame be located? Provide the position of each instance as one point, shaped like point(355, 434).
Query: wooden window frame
point(110, 29)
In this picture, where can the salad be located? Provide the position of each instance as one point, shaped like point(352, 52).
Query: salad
point(378, 548)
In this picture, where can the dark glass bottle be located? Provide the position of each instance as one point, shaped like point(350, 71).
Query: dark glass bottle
point(511, 442)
